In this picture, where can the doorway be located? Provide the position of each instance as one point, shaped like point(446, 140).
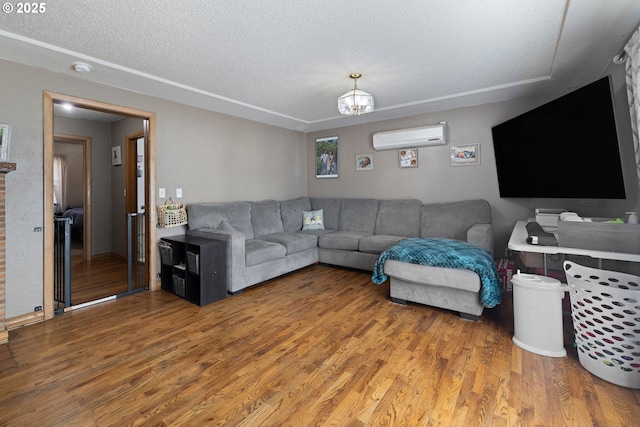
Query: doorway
point(149, 235)
point(81, 197)
point(135, 173)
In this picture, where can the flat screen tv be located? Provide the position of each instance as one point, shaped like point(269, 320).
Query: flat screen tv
point(567, 148)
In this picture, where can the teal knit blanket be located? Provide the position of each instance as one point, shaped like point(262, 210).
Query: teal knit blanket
point(446, 253)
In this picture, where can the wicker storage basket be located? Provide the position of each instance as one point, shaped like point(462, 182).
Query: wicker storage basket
point(605, 307)
point(171, 214)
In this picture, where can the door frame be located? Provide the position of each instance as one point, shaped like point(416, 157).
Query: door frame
point(130, 175)
point(50, 98)
point(86, 205)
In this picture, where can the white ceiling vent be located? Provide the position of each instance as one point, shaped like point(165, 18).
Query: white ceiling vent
point(411, 138)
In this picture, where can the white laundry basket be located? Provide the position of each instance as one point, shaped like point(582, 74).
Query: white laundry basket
point(605, 307)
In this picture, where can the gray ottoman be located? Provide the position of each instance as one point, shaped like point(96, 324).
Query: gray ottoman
point(449, 288)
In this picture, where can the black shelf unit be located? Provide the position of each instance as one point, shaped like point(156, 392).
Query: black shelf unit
point(193, 268)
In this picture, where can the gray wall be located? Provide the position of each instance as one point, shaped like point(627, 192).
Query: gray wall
point(215, 157)
point(436, 181)
point(211, 156)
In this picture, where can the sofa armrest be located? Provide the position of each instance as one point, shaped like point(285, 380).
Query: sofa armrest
point(235, 256)
point(481, 235)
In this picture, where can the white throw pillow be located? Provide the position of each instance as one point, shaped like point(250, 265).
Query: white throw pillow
point(313, 220)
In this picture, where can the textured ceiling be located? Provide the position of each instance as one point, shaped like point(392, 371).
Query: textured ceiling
point(286, 62)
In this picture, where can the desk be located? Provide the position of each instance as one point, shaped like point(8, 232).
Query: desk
point(518, 242)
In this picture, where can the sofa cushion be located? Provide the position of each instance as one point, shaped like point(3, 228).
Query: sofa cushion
point(209, 215)
point(358, 215)
point(316, 233)
point(265, 218)
point(378, 243)
point(291, 211)
point(313, 220)
point(399, 217)
point(258, 251)
point(452, 220)
point(293, 242)
point(330, 209)
point(345, 240)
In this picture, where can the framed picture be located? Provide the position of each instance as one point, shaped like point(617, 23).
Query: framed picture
point(327, 157)
point(116, 156)
point(5, 139)
point(408, 158)
point(465, 155)
point(364, 162)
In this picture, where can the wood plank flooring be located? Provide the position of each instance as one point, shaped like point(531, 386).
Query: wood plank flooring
point(322, 346)
point(102, 277)
point(6, 358)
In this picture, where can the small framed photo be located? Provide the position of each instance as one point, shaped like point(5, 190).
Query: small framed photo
point(116, 156)
point(465, 155)
point(364, 162)
point(5, 139)
point(408, 158)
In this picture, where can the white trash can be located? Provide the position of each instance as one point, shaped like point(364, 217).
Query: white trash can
point(537, 314)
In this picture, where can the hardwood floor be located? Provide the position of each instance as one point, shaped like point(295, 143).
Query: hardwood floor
point(102, 277)
point(322, 346)
point(6, 358)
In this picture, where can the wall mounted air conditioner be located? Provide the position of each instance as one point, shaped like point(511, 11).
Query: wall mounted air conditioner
point(410, 138)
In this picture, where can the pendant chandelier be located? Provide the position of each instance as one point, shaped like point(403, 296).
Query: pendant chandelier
point(356, 101)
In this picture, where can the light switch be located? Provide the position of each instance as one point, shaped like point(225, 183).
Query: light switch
point(161, 193)
point(178, 193)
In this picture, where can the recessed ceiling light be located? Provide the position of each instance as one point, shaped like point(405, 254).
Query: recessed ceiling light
point(81, 67)
point(620, 58)
point(67, 106)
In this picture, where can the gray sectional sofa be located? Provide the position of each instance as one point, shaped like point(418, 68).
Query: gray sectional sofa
point(266, 239)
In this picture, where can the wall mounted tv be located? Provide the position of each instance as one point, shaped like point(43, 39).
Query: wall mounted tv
point(567, 148)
